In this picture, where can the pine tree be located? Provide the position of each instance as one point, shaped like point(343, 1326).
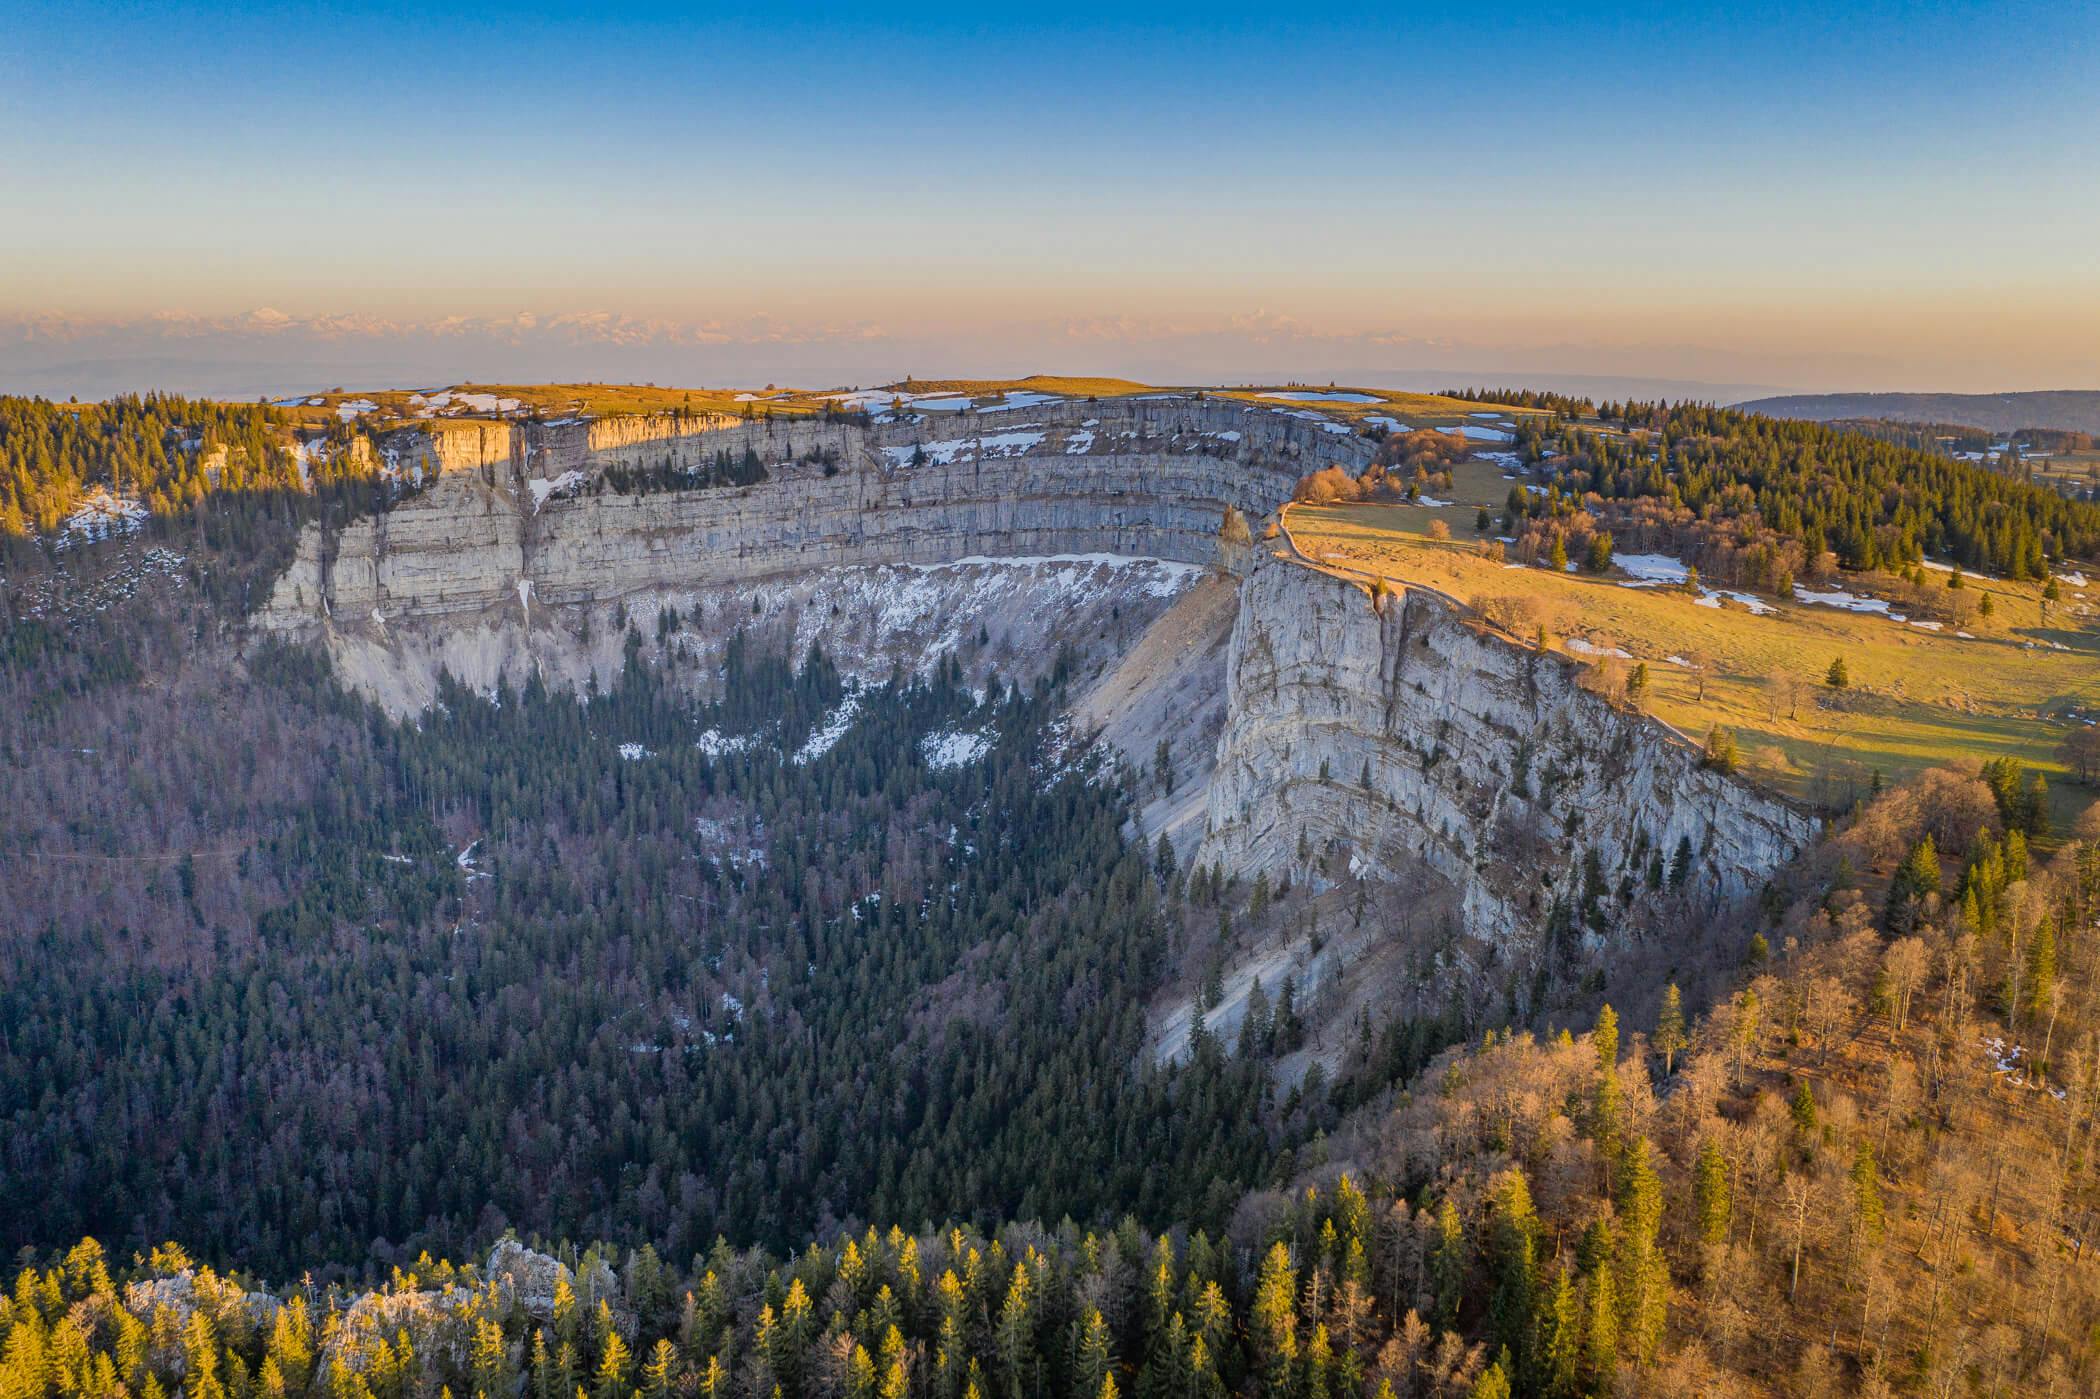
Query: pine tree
point(1273, 1323)
point(1093, 1363)
point(1600, 1332)
point(1604, 1101)
point(1711, 1197)
point(1512, 1261)
point(1561, 1366)
point(1642, 1283)
point(1669, 1028)
point(1838, 677)
point(1448, 1265)
point(2041, 970)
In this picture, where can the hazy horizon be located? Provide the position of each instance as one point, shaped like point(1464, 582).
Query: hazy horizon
point(1895, 198)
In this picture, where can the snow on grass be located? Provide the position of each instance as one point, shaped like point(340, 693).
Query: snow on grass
point(1653, 568)
point(1839, 598)
point(1585, 648)
point(2076, 580)
point(1660, 570)
point(541, 490)
point(1020, 398)
point(450, 401)
point(1321, 396)
point(827, 734)
point(954, 750)
point(1432, 502)
point(635, 752)
point(1389, 424)
point(998, 444)
point(1751, 602)
point(1480, 434)
point(1926, 626)
point(1334, 427)
point(350, 410)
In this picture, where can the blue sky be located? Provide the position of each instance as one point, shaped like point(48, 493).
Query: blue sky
point(1891, 196)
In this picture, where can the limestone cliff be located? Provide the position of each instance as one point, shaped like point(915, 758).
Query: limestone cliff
point(1407, 735)
point(1402, 742)
point(524, 529)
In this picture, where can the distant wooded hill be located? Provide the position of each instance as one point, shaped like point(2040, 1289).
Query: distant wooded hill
point(2077, 410)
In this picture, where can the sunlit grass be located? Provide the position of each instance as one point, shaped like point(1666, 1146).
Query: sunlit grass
point(1916, 697)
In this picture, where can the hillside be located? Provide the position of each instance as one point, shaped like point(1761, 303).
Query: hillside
point(1868, 1170)
point(2076, 410)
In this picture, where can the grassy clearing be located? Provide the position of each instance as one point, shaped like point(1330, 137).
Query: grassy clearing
point(1070, 386)
point(1414, 409)
point(1917, 697)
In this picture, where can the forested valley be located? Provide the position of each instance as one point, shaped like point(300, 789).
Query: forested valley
point(821, 1006)
point(1867, 1170)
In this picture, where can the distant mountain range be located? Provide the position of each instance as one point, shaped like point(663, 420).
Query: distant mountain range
point(2077, 410)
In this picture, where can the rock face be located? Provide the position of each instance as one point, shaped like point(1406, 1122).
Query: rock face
point(524, 529)
point(1407, 735)
point(1146, 478)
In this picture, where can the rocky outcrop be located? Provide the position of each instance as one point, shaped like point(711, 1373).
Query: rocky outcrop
point(1405, 734)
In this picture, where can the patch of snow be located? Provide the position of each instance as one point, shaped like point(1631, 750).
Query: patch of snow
point(1926, 626)
point(827, 734)
point(1751, 602)
point(1389, 424)
point(1653, 568)
point(541, 490)
point(1169, 577)
point(1839, 598)
point(954, 750)
point(1021, 398)
point(1966, 635)
point(1432, 502)
point(716, 744)
point(2076, 580)
point(998, 444)
point(350, 410)
point(634, 752)
point(1585, 648)
point(1480, 434)
point(1231, 434)
point(1079, 443)
point(101, 515)
point(1334, 427)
